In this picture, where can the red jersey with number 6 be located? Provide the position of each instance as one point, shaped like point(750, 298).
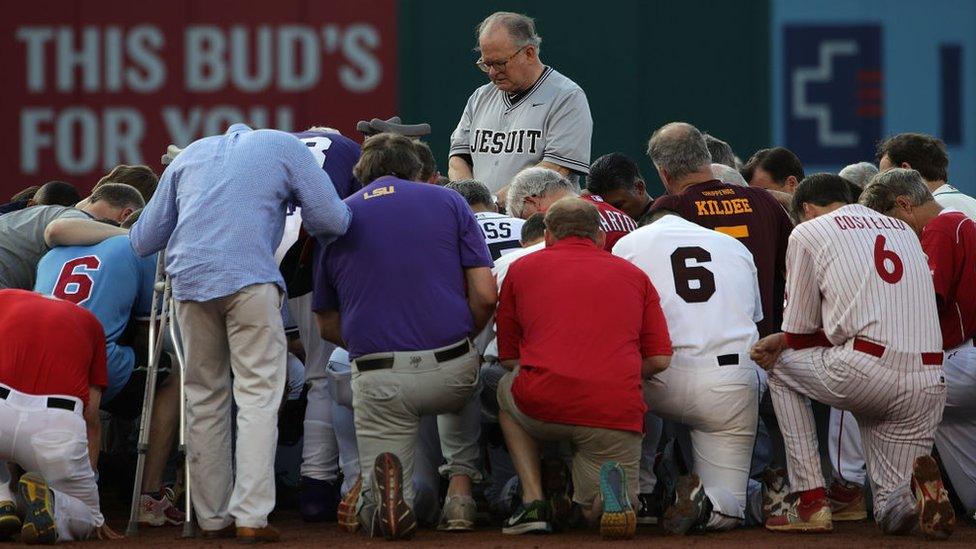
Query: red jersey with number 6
point(857, 273)
point(949, 241)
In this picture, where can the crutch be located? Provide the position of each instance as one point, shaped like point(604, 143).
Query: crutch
point(160, 302)
point(178, 351)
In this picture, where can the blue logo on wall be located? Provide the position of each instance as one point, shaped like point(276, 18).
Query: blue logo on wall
point(833, 88)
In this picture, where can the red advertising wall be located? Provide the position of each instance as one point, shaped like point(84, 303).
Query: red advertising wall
point(89, 84)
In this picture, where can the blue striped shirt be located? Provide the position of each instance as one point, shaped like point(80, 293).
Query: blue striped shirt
point(220, 209)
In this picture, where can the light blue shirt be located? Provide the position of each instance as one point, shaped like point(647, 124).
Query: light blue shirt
point(219, 210)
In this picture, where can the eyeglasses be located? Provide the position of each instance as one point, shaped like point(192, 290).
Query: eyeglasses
point(497, 65)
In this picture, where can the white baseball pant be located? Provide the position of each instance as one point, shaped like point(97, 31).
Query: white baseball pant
point(897, 401)
point(955, 439)
point(720, 407)
point(54, 443)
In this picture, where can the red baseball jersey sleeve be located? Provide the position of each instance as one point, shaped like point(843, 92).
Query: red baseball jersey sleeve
point(949, 241)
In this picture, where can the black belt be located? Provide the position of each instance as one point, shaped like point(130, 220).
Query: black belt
point(456, 351)
point(728, 360)
point(52, 402)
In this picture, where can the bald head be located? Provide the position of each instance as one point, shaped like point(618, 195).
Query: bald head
point(678, 150)
point(572, 216)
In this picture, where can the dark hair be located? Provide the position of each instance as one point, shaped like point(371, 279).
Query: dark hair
point(57, 193)
point(820, 189)
point(721, 151)
point(118, 195)
point(131, 220)
point(25, 194)
point(533, 229)
point(428, 164)
point(925, 154)
point(611, 172)
point(473, 192)
point(140, 177)
point(387, 154)
point(749, 168)
point(780, 163)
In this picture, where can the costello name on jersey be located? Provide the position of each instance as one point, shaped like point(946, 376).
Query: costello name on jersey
point(514, 141)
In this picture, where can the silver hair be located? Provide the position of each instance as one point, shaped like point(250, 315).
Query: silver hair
point(881, 192)
point(727, 175)
point(679, 149)
point(474, 192)
point(535, 182)
point(859, 174)
point(520, 27)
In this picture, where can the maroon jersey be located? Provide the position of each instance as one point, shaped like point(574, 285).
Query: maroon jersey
point(613, 221)
point(755, 218)
point(949, 241)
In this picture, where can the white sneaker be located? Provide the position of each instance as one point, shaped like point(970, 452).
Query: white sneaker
point(159, 512)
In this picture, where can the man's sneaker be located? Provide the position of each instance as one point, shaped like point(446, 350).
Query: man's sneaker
point(318, 499)
point(529, 518)
point(847, 502)
point(159, 512)
point(649, 511)
point(39, 526)
point(458, 514)
point(555, 488)
point(9, 521)
point(666, 473)
point(348, 513)
point(802, 517)
point(691, 508)
point(619, 521)
point(936, 517)
point(775, 489)
point(394, 518)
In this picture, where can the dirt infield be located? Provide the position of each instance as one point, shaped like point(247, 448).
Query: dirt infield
point(297, 534)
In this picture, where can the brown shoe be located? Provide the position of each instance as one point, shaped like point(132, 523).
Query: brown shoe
point(224, 533)
point(268, 534)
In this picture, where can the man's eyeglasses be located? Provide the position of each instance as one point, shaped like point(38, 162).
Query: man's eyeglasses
point(486, 66)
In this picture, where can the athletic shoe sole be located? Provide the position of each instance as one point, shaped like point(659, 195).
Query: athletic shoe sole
point(688, 502)
point(9, 523)
point(395, 517)
point(852, 515)
point(646, 521)
point(347, 516)
point(540, 527)
point(619, 520)
point(936, 517)
point(818, 522)
point(39, 526)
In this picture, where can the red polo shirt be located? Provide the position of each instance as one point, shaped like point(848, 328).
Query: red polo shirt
point(580, 321)
point(50, 346)
point(949, 242)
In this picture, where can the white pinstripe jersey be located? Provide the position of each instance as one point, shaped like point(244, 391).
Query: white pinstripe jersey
point(856, 272)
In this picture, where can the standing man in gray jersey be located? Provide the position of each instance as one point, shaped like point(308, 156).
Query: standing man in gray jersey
point(529, 115)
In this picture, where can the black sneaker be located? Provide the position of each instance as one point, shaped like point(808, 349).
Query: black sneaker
point(394, 518)
point(649, 512)
point(9, 521)
point(529, 518)
point(666, 472)
point(39, 526)
point(555, 488)
point(691, 509)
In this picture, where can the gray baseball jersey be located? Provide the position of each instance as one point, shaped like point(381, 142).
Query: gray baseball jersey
point(550, 122)
point(22, 242)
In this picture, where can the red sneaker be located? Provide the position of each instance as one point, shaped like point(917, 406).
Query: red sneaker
point(847, 502)
point(347, 515)
point(936, 517)
point(803, 517)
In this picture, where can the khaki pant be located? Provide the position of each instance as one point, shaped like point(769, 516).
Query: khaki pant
point(591, 446)
point(389, 403)
point(240, 333)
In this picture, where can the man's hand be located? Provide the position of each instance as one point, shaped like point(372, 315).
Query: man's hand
point(766, 351)
point(103, 532)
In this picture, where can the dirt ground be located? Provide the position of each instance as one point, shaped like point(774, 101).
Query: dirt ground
point(295, 533)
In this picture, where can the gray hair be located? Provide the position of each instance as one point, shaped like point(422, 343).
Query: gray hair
point(721, 151)
point(474, 192)
point(859, 174)
point(884, 188)
point(520, 27)
point(535, 182)
point(571, 216)
point(679, 149)
point(727, 175)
